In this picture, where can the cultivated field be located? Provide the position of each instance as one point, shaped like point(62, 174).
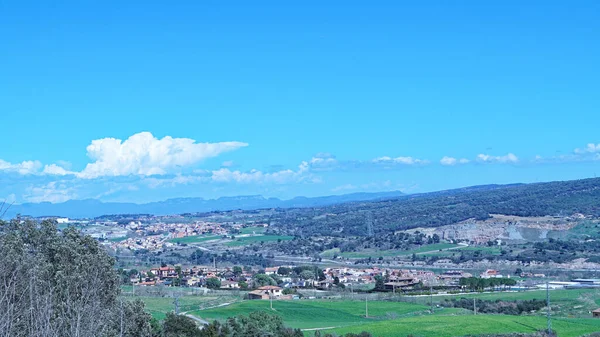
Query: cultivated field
point(246, 240)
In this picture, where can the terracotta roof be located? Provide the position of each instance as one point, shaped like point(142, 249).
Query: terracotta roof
point(269, 288)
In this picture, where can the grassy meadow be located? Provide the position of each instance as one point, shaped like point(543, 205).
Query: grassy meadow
point(247, 240)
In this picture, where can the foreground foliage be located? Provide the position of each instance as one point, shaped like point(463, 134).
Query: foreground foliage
point(61, 284)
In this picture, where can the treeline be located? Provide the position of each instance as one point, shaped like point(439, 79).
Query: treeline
point(480, 283)
point(496, 307)
point(443, 208)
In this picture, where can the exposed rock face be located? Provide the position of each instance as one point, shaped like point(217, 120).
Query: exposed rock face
point(503, 227)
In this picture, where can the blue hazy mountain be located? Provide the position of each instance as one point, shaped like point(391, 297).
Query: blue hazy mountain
point(91, 208)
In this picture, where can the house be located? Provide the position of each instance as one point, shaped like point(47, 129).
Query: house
point(271, 270)
point(265, 293)
point(229, 285)
point(491, 273)
point(596, 313)
point(401, 283)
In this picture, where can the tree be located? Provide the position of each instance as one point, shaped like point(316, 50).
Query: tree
point(307, 275)
point(263, 280)
point(237, 270)
point(180, 326)
point(213, 283)
point(61, 284)
point(518, 271)
point(284, 271)
point(379, 283)
point(258, 323)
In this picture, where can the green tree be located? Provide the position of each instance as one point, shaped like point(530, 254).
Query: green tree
point(258, 323)
point(284, 271)
point(379, 283)
point(180, 326)
point(61, 284)
point(213, 283)
point(263, 280)
point(237, 270)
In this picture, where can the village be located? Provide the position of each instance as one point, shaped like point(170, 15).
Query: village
point(280, 282)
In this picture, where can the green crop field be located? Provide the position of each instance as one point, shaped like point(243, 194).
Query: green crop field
point(158, 307)
point(462, 325)
point(246, 240)
point(252, 230)
point(119, 239)
point(317, 314)
point(433, 248)
point(564, 302)
point(195, 239)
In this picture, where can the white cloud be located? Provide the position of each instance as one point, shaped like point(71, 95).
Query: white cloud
point(24, 168)
point(56, 170)
point(225, 175)
point(53, 192)
point(400, 160)
point(509, 158)
point(590, 148)
point(143, 154)
point(449, 161)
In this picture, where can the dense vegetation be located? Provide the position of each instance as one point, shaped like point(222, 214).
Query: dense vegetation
point(496, 307)
point(443, 208)
point(61, 284)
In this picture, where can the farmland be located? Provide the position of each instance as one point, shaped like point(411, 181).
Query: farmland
point(461, 325)
point(195, 239)
point(252, 230)
point(433, 248)
point(246, 240)
point(401, 319)
point(308, 314)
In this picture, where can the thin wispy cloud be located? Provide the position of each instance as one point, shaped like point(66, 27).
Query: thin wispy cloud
point(508, 158)
point(451, 161)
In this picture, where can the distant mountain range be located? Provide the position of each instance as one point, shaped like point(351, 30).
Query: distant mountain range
point(91, 208)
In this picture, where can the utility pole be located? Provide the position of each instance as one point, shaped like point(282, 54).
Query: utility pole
point(548, 308)
point(367, 305)
point(474, 307)
point(431, 297)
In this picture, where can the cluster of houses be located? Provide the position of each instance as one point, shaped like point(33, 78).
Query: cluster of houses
point(197, 276)
point(145, 239)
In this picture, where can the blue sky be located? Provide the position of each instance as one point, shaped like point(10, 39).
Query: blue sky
point(143, 101)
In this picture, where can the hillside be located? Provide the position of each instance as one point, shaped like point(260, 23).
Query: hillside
point(447, 207)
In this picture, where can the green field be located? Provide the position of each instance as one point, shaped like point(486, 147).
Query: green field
point(195, 239)
point(158, 307)
point(565, 303)
point(246, 240)
point(252, 230)
point(400, 319)
point(317, 314)
point(434, 248)
point(462, 325)
point(119, 239)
